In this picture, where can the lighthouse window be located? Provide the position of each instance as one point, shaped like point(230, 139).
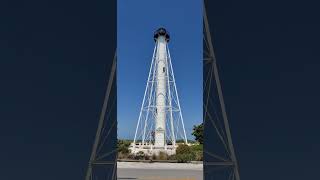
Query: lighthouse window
point(164, 69)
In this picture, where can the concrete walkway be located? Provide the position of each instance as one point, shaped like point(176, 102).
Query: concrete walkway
point(155, 165)
point(159, 171)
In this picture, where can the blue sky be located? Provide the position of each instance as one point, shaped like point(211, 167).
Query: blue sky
point(137, 21)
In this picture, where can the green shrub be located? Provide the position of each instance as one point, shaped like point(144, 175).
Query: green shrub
point(131, 156)
point(198, 155)
point(123, 155)
point(183, 149)
point(198, 147)
point(140, 155)
point(198, 151)
point(186, 157)
point(184, 153)
point(172, 157)
point(123, 146)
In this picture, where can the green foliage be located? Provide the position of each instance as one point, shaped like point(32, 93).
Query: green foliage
point(183, 149)
point(123, 156)
point(198, 155)
point(140, 155)
point(184, 153)
point(172, 157)
point(198, 147)
point(123, 146)
point(187, 157)
point(198, 151)
point(131, 156)
point(198, 133)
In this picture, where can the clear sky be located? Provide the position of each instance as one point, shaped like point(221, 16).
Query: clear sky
point(137, 21)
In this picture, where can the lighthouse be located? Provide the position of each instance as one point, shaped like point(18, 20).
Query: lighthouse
point(160, 122)
point(161, 38)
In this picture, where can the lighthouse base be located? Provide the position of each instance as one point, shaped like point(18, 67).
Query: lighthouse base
point(150, 149)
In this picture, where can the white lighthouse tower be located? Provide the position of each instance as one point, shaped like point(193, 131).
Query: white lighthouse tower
point(160, 123)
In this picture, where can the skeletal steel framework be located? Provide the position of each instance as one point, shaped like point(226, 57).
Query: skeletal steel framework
point(220, 161)
point(160, 120)
point(103, 159)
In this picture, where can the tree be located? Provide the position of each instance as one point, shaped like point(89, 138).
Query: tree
point(198, 133)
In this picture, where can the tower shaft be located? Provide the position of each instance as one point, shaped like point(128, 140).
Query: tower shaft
point(161, 91)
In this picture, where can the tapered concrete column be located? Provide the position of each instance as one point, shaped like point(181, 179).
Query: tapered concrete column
point(160, 127)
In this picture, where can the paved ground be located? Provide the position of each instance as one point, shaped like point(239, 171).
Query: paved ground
point(159, 171)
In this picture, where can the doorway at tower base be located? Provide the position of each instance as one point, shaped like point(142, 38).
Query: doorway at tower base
point(150, 149)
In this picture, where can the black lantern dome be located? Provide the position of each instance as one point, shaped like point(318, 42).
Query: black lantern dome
point(161, 32)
